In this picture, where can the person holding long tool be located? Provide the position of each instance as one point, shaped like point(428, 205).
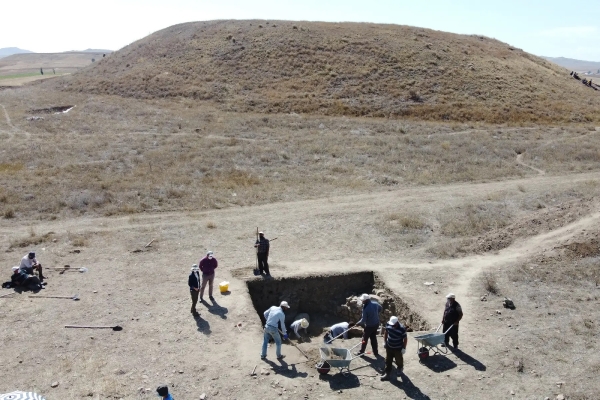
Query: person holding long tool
point(274, 316)
point(336, 331)
point(370, 322)
point(452, 315)
point(262, 253)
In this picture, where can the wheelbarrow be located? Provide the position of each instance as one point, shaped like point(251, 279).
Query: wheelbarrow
point(334, 357)
point(431, 341)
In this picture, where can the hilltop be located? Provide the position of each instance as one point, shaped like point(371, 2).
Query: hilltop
point(9, 51)
point(353, 69)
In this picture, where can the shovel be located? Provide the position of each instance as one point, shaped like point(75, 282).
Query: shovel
point(114, 328)
point(294, 344)
point(74, 297)
point(68, 268)
point(7, 294)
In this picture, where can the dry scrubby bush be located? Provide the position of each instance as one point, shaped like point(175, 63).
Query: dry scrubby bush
point(490, 283)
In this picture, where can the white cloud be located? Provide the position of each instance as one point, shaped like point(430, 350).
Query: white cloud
point(570, 32)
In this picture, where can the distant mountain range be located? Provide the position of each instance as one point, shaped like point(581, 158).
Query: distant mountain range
point(9, 51)
point(575, 65)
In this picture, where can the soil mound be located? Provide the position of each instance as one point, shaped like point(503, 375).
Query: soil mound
point(353, 69)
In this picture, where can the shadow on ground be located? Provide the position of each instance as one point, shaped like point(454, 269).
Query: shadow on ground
point(408, 387)
point(285, 369)
point(439, 363)
point(216, 309)
point(203, 325)
point(467, 359)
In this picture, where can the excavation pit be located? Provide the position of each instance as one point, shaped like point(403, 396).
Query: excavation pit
point(330, 299)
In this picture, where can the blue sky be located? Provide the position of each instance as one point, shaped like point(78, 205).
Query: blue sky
point(550, 28)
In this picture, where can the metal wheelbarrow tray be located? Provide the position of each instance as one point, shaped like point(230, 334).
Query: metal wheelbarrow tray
point(431, 341)
point(342, 363)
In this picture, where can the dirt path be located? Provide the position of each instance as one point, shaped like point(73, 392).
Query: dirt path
point(10, 124)
point(145, 290)
point(520, 162)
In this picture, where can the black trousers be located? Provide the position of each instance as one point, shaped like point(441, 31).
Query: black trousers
point(390, 355)
point(263, 265)
point(194, 300)
point(370, 332)
point(452, 333)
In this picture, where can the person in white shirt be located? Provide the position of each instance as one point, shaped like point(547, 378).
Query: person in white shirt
point(337, 330)
point(29, 263)
point(301, 322)
point(274, 316)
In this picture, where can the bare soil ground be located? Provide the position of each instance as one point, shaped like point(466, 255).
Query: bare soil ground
point(21, 69)
point(483, 222)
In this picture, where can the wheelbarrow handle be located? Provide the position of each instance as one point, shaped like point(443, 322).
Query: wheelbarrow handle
point(449, 329)
point(438, 328)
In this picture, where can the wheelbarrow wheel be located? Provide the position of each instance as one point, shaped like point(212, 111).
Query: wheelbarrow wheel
point(323, 367)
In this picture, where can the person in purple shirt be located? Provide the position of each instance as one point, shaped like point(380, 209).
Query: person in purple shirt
point(208, 265)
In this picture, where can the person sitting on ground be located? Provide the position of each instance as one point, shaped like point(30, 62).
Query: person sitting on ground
point(395, 340)
point(29, 263)
point(20, 278)
point(163, 392)
point(337, 330)
point(302, 321)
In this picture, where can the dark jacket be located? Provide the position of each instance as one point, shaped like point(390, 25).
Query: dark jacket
point(193, 281)
point(208, 265)
point(262, 245)
point(370, 314)
point(452, 312)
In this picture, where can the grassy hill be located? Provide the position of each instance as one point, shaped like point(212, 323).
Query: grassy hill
point(353, 69)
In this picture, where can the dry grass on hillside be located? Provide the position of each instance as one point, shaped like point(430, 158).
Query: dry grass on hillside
point(347, 69)
point(113, 156)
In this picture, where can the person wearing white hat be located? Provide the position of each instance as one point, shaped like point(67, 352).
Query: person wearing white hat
point(194, 284)
point(208, 265)
point(452, 315)
point(395, 340)
point(370, 322)
point(302, 321)
point(274, 317)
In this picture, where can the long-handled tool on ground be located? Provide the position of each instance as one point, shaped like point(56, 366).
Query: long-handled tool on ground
point(74, 297)
point(67, 268)
point(7, 294)
point(294, 344)
point(114, 328)
point(257, 269)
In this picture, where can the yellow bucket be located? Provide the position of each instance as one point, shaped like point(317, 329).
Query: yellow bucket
point(224, 286)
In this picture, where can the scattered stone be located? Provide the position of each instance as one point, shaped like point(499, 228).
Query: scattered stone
point(181, 371)
point(484, 297)
point(203, 396)
point(559, 384)
point(54, 384)
point(560, 397)
point(512, 392)
point(498, 312)
point(508, 303)
point(264, 372)
point(429, 283)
